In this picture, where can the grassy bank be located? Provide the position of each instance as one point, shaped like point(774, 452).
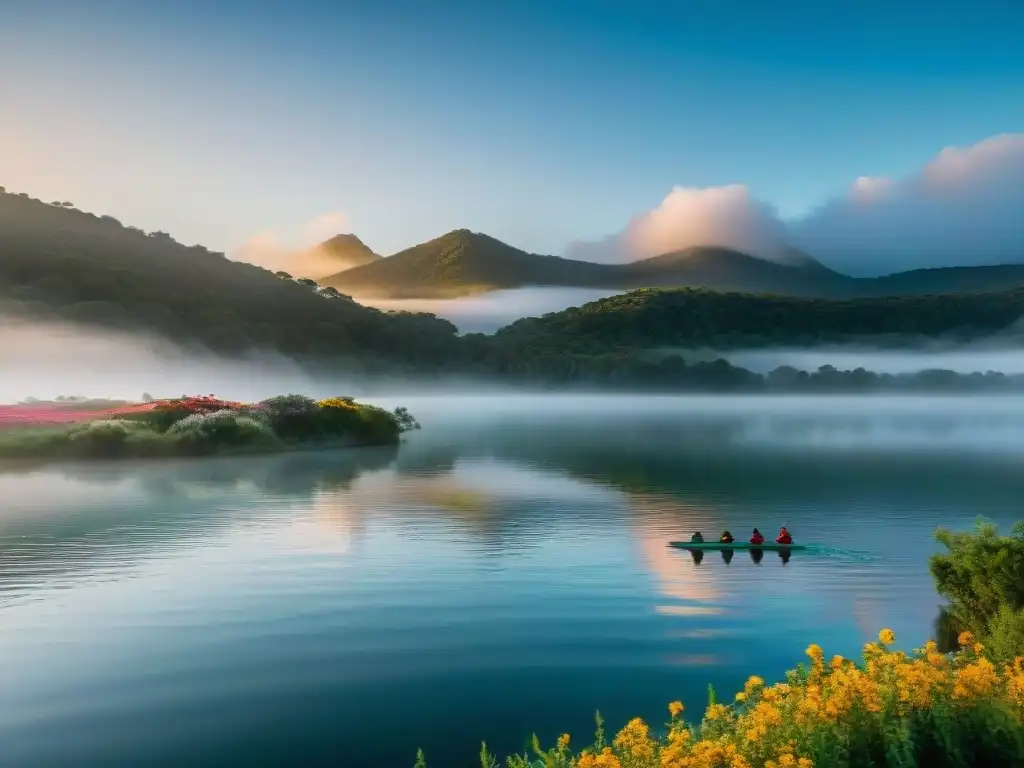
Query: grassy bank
point(204, 426)
point(964, 707)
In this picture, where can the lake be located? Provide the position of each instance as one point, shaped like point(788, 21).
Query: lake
point(504, 571)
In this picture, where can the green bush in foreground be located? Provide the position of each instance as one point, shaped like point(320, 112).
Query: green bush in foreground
point(206, 426)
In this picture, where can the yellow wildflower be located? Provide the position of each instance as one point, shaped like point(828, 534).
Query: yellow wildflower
point(815, 653)
point(976, 679)
point(563, 742)
point(741, 697)
point(965, 639)
point(606, 759)
point(675, 708)
point(887, 637)
point(716, 712)
point(674, 753)
point(634, 741)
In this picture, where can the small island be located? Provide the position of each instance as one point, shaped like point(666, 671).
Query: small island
point(74, 428)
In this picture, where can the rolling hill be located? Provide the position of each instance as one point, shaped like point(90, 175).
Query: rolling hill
point(57, 262)
point(463, 263)
point(688, 318)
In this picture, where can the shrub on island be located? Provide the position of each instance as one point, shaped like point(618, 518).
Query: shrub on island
point(202, 426)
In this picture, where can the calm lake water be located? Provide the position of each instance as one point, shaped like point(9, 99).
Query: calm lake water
point(504, 571)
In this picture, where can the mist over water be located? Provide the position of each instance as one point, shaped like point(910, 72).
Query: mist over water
point(974, 358)
point(45, 360)
point(489, 312)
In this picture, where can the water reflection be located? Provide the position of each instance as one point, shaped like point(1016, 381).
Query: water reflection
point(530, 558)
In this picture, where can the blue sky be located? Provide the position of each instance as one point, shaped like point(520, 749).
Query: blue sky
point(537, 122)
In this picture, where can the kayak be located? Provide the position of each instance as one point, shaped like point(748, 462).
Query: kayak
point(716, 545)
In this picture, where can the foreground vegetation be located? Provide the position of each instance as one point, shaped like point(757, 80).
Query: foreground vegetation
point(202, 426)
point(926, 708)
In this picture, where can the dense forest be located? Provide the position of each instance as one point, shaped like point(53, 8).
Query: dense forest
point(694, 318)
point(60, 263)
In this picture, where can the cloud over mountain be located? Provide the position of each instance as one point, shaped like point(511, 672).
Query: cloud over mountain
point(965, 207)
point(296, 253)
point(723, 216)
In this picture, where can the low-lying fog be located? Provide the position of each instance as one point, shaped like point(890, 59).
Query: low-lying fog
point(491, 311)
point(980, 358)
point(47, 360)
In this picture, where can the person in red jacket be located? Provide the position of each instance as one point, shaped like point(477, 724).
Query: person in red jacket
point(784, 537)
point(757, 538)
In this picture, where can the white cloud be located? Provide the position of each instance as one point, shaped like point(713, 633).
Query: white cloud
point(324, 227)
point(295, 255)
point(724, 216)
point(965, 207)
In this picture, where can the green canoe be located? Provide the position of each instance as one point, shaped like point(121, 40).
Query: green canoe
point(717, 545)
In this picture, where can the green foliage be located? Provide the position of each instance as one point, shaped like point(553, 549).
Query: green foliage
point(406, 421)
point(293, 417)
point(981, 576)
point(207, 433)
point(1005, 636)
point(694, 318)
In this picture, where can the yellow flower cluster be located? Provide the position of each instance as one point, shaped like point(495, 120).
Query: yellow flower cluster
point(338, 402)
point(785, 724)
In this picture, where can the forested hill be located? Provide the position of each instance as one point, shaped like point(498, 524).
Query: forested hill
point(647, 319)
point(56, 261)
point(463, 263)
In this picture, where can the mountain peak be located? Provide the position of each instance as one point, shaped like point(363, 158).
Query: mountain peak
point(345, 251)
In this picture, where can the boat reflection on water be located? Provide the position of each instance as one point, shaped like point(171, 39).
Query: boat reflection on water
point(756, 555)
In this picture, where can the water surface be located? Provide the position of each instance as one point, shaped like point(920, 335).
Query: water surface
point(504, 571)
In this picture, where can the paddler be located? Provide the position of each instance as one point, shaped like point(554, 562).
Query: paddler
point(697, 538)
point(726, 538)
point(784, 537)
point(756, 538)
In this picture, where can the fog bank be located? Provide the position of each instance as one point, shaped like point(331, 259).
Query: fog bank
point(489, 312)
point(975, 358)
point(44, 360)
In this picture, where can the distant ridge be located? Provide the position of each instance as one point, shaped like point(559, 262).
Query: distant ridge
point(462, 263)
